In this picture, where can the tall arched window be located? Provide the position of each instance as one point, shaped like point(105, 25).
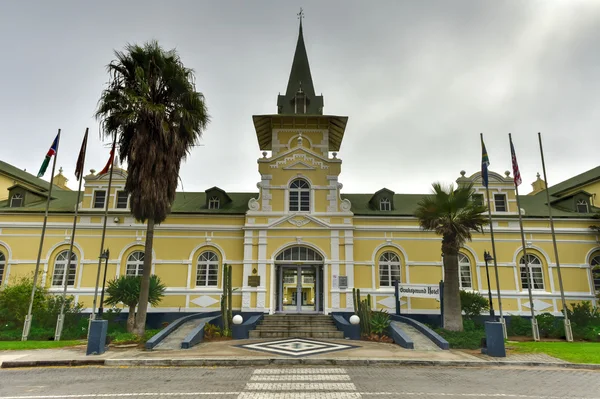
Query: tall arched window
point(537, 274)
point(582, 206)
point(208, 269)
point(59, 269)
point(464, 267)
point(595, 265)
point(299, 196)
point(2, 267)
point(16, 200)
point(135, 264)
point(389, 269)
point(385, 205)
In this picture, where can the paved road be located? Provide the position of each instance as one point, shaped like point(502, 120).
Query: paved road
point(299, 383)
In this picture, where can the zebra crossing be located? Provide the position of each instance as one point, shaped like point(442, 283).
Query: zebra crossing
point(300, 383)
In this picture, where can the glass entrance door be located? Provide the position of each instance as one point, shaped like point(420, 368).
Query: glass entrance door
point(299, 288)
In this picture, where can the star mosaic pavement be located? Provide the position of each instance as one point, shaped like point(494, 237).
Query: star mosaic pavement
point(297, 347)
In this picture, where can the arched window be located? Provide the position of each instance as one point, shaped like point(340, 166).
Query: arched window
point(464, 267)
point(135, 264)
point(2, 267)
point(595, 265)
point(582, 206)
point(213, 203)
point(389, 269)
point(299, 196)
point(59, 269)
point(16, 200)
point(208, 269)
point(385, 205)
point(537, 274)
point(300, 254)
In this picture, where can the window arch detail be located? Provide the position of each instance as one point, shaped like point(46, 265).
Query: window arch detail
point(2, 267)
point(299, 196)
point(299, 253)
point(214, 203)
point(595, 266)
point(464, 267)
point(537, 273)
point(60, 263)
point(207, 271)
point(135, 264)
point(385, 204)
point(389, 269)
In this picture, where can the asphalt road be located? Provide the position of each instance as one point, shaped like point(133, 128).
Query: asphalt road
point(299, 383)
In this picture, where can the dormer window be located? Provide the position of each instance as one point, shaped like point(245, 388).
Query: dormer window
point(582, 206)
point(16, 200)
point(385, 205)
point(213, 203)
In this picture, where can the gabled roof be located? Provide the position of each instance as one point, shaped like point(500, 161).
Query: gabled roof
point(574, 182)
point(26, 177)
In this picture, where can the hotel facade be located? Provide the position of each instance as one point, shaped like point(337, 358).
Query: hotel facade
point(299, 243)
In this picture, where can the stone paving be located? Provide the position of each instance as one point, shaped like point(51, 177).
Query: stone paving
point(422, 343)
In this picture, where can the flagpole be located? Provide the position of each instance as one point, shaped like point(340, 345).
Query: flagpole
point(61, 318)
point(534, 326)
point(112, 162)
point(567, 323)
point(28, 318)
point(487, 195)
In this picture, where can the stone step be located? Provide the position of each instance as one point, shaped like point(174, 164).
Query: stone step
point(297, 323)
point(267, 328)
point(297, 334)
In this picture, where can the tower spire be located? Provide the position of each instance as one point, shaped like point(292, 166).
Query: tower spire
point(300, 85)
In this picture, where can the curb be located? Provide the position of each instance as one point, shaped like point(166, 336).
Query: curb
point(260, 362)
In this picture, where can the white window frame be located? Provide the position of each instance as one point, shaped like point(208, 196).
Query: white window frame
point(94, 199)
point(464, 270)
point(496, 195)
point(117, 200)
point(207, 269)
point(595, 261)
point(16, 196)
point(302, 196)
point(387, 262)
point(214, 203)
point(385, 204)
point(60, 262)
point(537, 267)
point(584, 203)
point(135, 264)
point(299, 253)
point(2, 267)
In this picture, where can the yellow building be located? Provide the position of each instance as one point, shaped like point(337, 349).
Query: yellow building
point(299, 244)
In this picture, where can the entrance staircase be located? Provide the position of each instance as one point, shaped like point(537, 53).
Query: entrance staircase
point(297, 326)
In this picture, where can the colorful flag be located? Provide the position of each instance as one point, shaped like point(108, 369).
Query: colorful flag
point(485, 162)
point(110, 160)
point(51, 152)
point(515, 165)
point(81, 157)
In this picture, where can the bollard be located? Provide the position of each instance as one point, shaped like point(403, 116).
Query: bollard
point(97, 337)
point(494, 339)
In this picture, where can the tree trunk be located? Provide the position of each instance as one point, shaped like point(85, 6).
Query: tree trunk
point(131, 319)
point(140, 319)
point(452, 308)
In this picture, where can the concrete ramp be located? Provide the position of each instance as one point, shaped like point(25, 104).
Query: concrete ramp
point(173, 340)
point(421, 342)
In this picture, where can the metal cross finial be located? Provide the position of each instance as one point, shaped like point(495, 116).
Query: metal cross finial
point(300, 14)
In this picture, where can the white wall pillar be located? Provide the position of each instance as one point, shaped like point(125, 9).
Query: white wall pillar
point(349, 252)
point(335, 269)
point(247, 269)
point(262, 269)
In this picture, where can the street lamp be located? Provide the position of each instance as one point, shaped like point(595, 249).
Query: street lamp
point(488, 258)
point(105, 255)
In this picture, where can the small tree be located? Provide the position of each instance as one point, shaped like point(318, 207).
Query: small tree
point(473, 303)
point(126, 290)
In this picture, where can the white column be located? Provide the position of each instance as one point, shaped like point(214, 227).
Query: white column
point(247, 269)
point(262, 269)
point(349, 252)
point(335, 269)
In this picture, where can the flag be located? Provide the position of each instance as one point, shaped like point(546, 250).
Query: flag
point(110, 160)
point(485, 162)
point(515, 165)
point(81, 157)
point(51, 152)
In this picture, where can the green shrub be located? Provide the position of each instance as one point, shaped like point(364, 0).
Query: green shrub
point(462, 339)
point(473, 303)
point(546, 324)
point(380, 321)
point(519, 326)
point(471, 325)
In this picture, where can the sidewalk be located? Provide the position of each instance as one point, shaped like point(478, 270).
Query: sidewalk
point(230, 354)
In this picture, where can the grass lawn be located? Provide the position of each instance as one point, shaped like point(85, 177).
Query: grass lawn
point(576, 352)
point(21, 345)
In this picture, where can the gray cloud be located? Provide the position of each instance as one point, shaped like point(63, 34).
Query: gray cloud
point(419, 81)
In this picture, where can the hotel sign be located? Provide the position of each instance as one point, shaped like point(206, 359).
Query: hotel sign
point(419, 290)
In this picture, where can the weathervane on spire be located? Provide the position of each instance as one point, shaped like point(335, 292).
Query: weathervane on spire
point(301, 15)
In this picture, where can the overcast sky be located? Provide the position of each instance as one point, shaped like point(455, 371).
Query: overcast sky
point(419, 81)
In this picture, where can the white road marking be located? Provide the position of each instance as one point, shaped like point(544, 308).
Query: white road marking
point(300, 386)
point(120, 395)
point(299, 395)
point(301, 377)
point(300, 371)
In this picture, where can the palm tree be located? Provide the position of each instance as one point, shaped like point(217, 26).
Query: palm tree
point(453, 214)
point(153, 109)
point(126, 290)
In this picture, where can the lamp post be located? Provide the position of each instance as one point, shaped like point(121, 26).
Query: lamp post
point(105, 255)
point(488, 258)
